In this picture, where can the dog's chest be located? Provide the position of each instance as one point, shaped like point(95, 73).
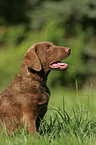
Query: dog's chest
point(44, 95)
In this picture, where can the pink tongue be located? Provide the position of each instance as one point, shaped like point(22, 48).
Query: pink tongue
point(58, 65)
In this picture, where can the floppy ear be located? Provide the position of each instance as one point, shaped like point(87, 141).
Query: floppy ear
point(31, 59)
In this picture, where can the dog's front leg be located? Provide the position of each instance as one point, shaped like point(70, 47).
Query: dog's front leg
point(29, 122)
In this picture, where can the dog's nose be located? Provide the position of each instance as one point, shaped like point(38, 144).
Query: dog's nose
point(68, 50)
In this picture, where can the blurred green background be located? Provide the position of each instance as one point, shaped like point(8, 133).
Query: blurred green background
point(70, 23)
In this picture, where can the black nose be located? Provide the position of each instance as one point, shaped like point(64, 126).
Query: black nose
point(68, 50)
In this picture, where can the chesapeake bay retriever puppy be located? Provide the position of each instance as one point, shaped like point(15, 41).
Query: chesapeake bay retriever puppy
point(26, 98)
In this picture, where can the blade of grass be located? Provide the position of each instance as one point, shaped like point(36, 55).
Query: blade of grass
point(77, 94)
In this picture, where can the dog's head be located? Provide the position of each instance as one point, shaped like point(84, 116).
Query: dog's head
point(47, 56)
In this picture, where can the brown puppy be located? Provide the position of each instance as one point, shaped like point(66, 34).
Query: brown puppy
point(26, 98)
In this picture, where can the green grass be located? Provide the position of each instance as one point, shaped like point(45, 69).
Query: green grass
point(70, 119)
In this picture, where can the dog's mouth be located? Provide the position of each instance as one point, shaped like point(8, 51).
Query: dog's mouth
point(58, 65)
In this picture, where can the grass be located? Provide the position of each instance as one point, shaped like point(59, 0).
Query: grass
point(70, 120)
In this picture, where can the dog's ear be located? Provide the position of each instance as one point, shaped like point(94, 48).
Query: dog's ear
point(31, 59)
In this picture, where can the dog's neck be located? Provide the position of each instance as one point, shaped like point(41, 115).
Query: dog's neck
point(41, 75)
point(37, 76)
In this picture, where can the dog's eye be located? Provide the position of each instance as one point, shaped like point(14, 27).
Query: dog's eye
point(48, 47)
